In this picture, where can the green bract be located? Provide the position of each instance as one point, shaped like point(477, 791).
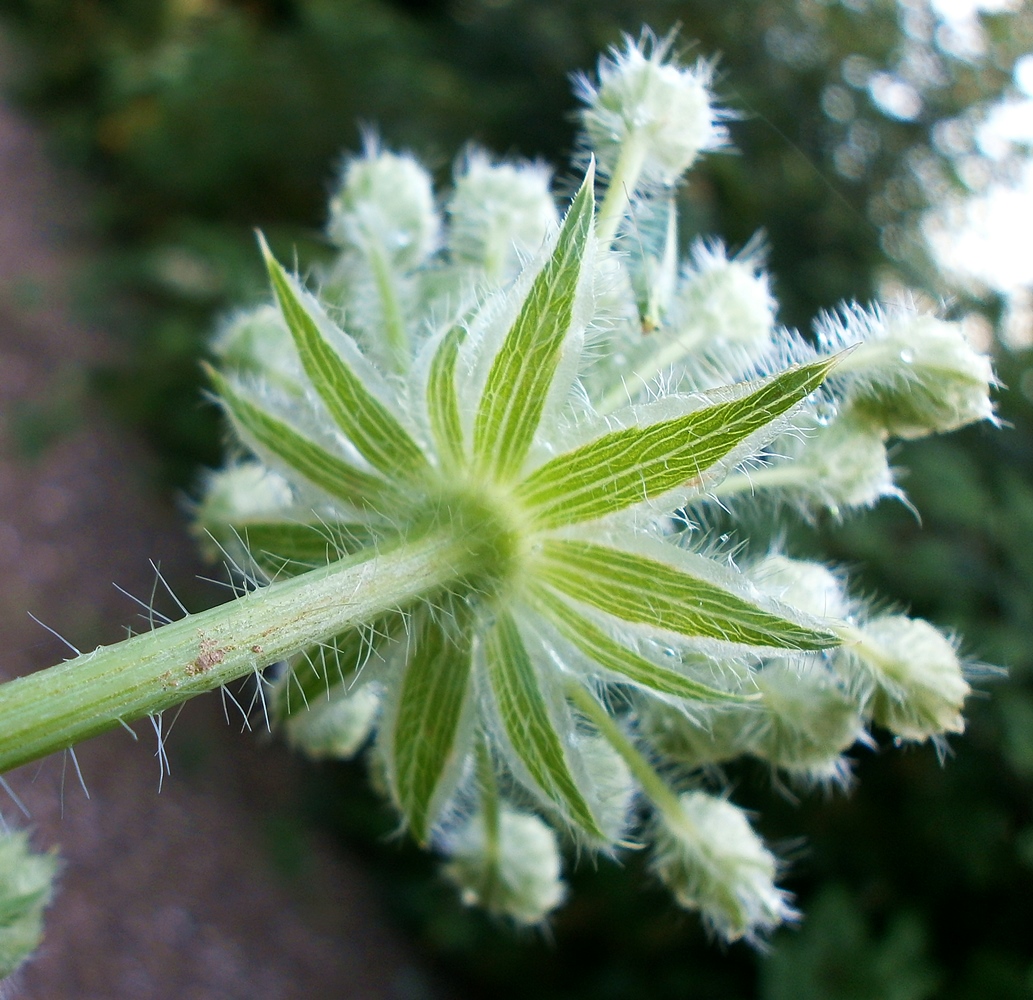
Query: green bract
point(481, 436)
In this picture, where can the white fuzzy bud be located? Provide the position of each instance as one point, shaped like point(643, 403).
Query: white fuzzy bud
point(808, 718)
point(498, 211)
point(728, 302)
point(920, 688)
point(915, 374)
point(233, 496)
point(808, 586)
point(613, 788)
point(707, 736)
point(844, 463)
point(518, 876)
point(241, 492)
point(712, 861)
point(335, 727)
point(26, 885)
point(386, 198)
point(722, 310)
point(258, 343)
point(802, 723)
point(646, 99)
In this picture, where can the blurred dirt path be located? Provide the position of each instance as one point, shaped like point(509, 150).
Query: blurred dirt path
point(171, 895)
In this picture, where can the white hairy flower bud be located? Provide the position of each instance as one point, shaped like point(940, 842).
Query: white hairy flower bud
point(920, 688)
point(645, 99)
point(809, 586)
point(915, 374)
point(727, 301)
point(844, 463)
point(499, 210)
point(387, 198)
point(240, 492)
point(515, 874)
point(835, 458)
point(26, 885)
point(712, 861)
point(722, 310)
point(243, 492)
point(808, 718)
point(802, 723)
point(613, 788)
point(707, 736)
point(336, 726)
point(257, 342)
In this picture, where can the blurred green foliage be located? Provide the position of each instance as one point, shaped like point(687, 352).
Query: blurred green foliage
point(200, 119)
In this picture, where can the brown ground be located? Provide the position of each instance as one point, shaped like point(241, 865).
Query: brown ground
point(171, 895)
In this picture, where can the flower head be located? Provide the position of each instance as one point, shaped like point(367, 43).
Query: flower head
point(560, 638)
point(566, 586)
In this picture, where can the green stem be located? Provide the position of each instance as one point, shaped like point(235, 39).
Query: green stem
point(622, 184)
point(394, 321)
point(654, 787)
point(643, 375)
point(768, 477)
point(53, 709)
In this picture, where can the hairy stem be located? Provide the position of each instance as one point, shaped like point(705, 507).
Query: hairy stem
point(394, 331)
point(55, 708)
point(644, 374)
point(793, 474)
point(652, 785)
point(622, 184)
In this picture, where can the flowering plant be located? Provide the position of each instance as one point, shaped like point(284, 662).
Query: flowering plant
point(470, 503)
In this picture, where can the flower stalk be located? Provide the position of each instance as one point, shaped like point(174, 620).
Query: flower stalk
point(54, 709)
point(652, 785)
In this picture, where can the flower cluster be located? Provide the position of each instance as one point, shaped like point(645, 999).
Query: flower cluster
point(544, 396)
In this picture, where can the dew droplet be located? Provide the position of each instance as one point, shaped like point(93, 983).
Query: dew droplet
point(907, 356)
point(825, 413)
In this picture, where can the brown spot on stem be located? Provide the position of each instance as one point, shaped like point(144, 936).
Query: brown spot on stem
point(209, 656)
